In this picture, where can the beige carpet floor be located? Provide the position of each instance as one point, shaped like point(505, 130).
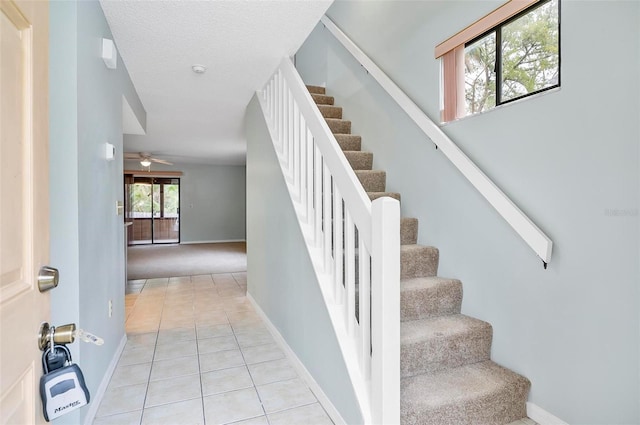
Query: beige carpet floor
point(151, 261)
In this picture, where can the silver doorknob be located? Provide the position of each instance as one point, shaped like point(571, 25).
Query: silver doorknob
point(47, 278)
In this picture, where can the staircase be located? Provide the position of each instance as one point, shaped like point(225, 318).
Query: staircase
point(447, 374)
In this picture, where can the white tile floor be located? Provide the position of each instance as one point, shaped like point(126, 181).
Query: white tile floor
point(197, 353)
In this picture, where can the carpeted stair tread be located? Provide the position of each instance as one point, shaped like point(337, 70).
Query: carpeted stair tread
point(375, 195)
point(316, 89)
point(437, 343)
point(424, 297)
point(349, 142)
point(372, 180)
point(418, 261)
point(330, 111)
point(339, 126)
point(359, 160)
point(480, 393)
point(408, 231)
point(322, 99)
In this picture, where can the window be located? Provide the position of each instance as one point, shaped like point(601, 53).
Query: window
point(509, 54)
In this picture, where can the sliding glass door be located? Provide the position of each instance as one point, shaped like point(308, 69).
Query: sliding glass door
point(154, 209)
point(166, 211)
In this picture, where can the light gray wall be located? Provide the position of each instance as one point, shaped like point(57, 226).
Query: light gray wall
point(568, 159)
point(87, 237)
point(280, 274)
point(212, 200)
point(63, 169)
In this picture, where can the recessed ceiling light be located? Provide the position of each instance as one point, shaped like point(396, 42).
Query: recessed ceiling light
point(199, 69)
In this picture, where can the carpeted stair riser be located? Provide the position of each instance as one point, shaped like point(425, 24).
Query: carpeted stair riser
point(349, 142)
point(316, 89)
point(408, 231)
point(372, 180)
point(330, 111)
point(418, 261)
point(322, 99)
point(375, 195)
point(475, 394)
point(339, 126)
point(359, 160)
point(437, 343)
point(425, 297)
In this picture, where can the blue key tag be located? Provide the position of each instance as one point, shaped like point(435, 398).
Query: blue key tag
point(62, 390)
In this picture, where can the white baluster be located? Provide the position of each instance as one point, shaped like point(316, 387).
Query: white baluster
point(280, 116)
point(297, 149)
point(317, 193)
point(302, 137)
point(290, 117)
point(310, 184)
point(364, 309)
point(285, 129)
point(326, 220)
point(271, 97)
point(338, 245)
point(349, 272)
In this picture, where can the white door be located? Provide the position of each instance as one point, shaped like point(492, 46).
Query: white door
point(24, 204)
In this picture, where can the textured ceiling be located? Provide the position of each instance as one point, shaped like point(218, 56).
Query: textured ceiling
point(198, 117)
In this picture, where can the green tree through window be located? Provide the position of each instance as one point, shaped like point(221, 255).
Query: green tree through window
point(171, 200)
point(527, 62)
point(143, 194)
point(141, 200)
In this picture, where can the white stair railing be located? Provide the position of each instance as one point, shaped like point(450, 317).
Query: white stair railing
point(354, 244)
point(518, 220)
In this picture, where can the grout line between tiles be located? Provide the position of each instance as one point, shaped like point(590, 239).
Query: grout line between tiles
point(255, 387)
point(204, 418)
point(153, 359)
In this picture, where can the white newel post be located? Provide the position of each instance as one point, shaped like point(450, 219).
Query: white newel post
point(385, 311)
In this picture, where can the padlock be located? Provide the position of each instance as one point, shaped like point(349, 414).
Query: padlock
point(62, 390)
point(56, 357)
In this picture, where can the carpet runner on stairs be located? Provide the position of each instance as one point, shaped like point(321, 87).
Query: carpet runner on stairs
point(447, 374)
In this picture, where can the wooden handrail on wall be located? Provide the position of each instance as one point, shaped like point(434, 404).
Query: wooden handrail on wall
point(517, 219)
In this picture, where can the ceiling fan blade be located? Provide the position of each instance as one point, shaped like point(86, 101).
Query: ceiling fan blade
point(131, 155)
point(160, 161)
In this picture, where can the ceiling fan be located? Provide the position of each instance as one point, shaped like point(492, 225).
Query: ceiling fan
point(145, 158)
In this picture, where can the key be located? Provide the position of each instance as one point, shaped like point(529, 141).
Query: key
point(88, 337)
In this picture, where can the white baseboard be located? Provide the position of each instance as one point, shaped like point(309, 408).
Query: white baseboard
point(299, 366)
point(97, 397)
point(218, 241)
point(541, 416)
